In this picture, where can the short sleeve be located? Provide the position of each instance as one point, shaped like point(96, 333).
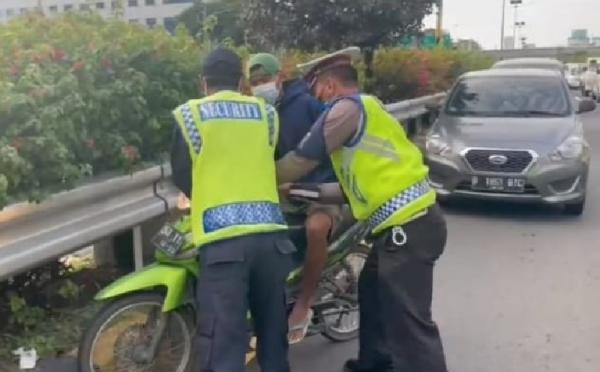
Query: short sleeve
point(334, 129)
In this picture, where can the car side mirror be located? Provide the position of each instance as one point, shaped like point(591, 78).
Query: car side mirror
point(586, 105)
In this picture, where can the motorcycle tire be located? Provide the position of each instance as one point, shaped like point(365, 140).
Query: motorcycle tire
point(121, 305)
point(348, 300)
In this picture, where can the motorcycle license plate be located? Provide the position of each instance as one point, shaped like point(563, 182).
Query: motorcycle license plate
point(169, 241)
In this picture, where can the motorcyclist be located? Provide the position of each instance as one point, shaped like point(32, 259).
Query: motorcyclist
point(298, 110)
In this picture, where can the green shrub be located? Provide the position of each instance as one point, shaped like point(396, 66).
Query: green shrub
point(81, 95)
point(403, 74)
point(399, 74)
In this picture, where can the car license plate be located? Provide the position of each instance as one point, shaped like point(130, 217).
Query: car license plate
point(169, 240)
point(498, 184)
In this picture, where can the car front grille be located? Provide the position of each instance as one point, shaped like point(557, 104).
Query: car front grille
point(516, 160)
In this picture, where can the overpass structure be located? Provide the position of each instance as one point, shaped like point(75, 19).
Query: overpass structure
point(561, 53)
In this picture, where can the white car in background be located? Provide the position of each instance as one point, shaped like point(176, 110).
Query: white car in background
point(573, 75)
point(571, 71)
point(531, 63)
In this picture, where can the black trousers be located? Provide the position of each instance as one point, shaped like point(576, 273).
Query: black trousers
point(238, 274)
point(397, 332)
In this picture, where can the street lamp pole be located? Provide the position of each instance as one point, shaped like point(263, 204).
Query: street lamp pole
point(516, 4)
point(515, 26)
point(440, 16)
point(502, 25)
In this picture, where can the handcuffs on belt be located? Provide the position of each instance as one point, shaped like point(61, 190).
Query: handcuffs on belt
point(399, 237)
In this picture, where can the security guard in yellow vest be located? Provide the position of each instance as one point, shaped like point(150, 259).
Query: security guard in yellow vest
point(382, 176)
point(223, 160)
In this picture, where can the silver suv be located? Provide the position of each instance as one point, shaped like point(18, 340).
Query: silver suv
point(511, 135)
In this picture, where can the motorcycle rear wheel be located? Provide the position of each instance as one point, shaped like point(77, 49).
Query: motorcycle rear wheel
point(342, 323)
point(112, 346)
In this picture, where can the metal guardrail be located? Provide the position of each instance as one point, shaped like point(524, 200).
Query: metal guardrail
point(32, 234)
point(415, 115)
point(413, 108)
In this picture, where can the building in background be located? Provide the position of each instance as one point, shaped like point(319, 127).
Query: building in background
point(508, 42)
point(596, 41)
point(579, 37)
point(148, 12)
point(468, 44)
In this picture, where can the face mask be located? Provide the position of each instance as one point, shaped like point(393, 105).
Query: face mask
point(268, 91)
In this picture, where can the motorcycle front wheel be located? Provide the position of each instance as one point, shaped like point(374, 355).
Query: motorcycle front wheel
point(120, 337)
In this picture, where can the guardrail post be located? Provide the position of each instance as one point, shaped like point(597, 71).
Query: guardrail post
point(138, 248)
point(129, 249)
point(419, 126)
point(425, 123)
point(411, 128)
point(104, 252)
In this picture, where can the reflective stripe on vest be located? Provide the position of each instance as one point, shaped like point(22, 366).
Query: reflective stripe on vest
point(398, 202)
point(253, 213)
point(190, 126)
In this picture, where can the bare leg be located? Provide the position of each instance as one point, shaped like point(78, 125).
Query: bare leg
point(318, 226)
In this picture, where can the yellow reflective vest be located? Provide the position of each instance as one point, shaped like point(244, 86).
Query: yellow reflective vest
point(381, 171)
point(231, 139)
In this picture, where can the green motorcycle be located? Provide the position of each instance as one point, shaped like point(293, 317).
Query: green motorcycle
point(148, 321)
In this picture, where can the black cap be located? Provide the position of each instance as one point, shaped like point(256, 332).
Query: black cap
point(223, 66)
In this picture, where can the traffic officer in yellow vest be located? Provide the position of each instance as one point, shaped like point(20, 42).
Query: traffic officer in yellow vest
point(223, 160)
point(382, 175)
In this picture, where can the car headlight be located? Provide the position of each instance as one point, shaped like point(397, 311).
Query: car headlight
point(437, 146)
point(571, 148)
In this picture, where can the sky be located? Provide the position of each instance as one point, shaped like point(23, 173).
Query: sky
point(548, 22)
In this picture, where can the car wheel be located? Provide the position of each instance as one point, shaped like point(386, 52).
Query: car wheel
point(575, 209)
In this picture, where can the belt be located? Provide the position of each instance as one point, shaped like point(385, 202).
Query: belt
point(395, 228)
point(248, 213)
point(398, 202)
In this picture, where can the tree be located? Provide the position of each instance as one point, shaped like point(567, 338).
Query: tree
point(331, 24)
point(218, 20)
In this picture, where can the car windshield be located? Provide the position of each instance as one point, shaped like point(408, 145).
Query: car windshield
point(509, 96)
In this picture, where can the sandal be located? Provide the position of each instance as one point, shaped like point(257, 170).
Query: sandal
point(300, 327)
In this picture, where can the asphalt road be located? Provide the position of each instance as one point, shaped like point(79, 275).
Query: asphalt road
point(517, 290)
